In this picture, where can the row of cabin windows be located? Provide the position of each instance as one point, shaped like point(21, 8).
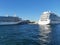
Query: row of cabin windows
point(46, 20)
point(8, 20)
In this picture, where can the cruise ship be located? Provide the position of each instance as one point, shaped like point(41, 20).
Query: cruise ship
point(8, 20)
point(49, 17)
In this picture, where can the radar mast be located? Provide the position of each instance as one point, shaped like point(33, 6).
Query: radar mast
point(15, 15)
point(7, 15)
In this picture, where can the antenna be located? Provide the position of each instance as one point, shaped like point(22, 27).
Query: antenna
point(14, 15)
point(49, 11)
point(7, 15)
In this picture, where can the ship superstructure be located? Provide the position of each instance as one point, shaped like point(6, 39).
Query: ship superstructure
point(49, 17)
point(6, 20)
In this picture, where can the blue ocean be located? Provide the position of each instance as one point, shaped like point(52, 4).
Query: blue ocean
point(30, 34)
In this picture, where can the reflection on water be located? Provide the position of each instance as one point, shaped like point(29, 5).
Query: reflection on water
point(49, 34)
point(30, 34)
point(45, 33)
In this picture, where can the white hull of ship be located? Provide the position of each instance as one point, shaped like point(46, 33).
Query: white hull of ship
point(44, 22)
point(48, 22)
point(9, 23)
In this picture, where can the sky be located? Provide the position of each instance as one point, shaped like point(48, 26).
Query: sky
point(28, 9)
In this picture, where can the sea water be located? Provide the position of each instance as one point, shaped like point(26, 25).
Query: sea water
point(30, 34)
